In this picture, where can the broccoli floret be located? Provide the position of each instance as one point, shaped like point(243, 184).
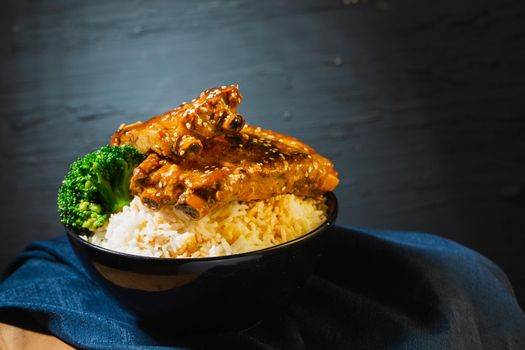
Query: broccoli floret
point(96, 186)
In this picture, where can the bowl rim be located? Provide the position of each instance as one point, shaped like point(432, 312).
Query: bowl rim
point(330, 220)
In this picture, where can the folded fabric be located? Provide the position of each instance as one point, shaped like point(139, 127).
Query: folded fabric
point(372, 290)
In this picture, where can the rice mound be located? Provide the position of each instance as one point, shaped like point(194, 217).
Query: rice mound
point(235, 228)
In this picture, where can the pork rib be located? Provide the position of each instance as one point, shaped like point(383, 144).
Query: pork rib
point(181, 132)
point(226, 159)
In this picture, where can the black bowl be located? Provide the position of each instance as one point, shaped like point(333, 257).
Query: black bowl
point(233, 290)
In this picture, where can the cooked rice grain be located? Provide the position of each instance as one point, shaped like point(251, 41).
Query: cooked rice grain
point(235, 228)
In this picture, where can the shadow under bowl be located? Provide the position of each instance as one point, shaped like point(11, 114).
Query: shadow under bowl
point(232, 291)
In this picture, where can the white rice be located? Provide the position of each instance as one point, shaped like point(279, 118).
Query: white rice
point(235, 228)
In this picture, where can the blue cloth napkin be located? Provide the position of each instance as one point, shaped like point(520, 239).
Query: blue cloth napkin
point(372, 290)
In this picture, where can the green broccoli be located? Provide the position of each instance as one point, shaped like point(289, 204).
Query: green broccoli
point(96, 186)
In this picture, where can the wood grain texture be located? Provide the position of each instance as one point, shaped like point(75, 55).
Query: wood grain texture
point(18, 338)
point(419, 104)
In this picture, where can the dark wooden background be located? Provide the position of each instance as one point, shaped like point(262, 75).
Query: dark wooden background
point(418, 103)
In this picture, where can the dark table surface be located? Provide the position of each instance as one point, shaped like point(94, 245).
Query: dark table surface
point(419, 104)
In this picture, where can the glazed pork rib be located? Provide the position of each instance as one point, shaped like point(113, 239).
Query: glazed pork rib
point(181, 132)
point(257, 164)
point(246, 164)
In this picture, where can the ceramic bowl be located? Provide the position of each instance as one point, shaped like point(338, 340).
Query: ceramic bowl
point(197, 292)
